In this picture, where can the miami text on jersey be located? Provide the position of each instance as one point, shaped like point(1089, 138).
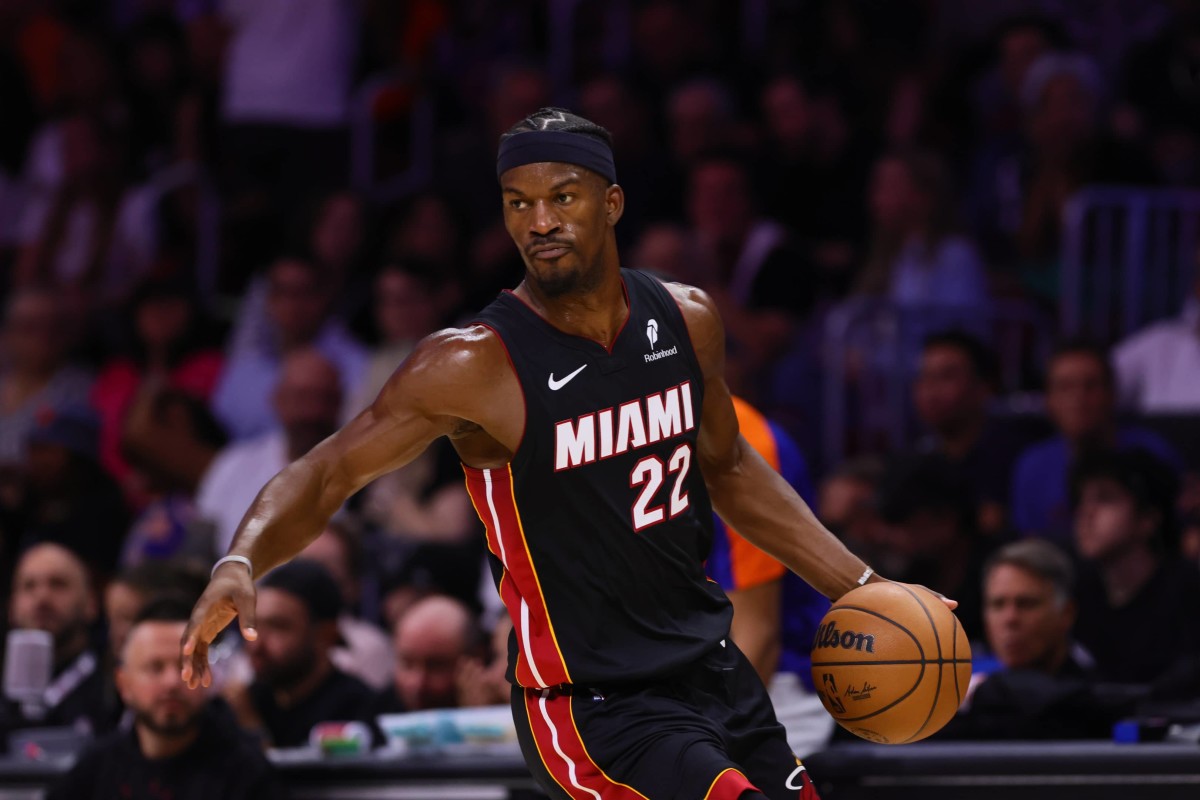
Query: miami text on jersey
point(626, 427)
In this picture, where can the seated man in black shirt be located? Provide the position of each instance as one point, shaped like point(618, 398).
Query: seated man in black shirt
point(1041, 688)
point(180, 747)
point(52, 592)
point(1138, 600)
point(952, 396)
point(296, 684)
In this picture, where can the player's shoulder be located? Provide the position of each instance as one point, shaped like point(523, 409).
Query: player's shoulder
point(699, 311)
point(451, 369)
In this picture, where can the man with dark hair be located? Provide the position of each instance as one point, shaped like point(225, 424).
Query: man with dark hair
point(296, 684)
point(180, 746)
point(956, 381)
point(927, 503)
point(1081, 400)
point(590, 411)
point(1138, 600)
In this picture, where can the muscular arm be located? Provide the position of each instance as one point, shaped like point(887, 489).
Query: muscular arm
point(749, 495)
point(456, 383)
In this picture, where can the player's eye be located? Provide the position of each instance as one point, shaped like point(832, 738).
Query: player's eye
point(564, 198)
point(518, 204)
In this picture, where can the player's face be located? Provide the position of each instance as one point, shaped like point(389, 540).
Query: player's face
point(1107, 522)
point(561, 217)
point(1026, 622)
point(149, 683)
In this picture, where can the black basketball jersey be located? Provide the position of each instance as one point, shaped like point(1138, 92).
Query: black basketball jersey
point(599, 527)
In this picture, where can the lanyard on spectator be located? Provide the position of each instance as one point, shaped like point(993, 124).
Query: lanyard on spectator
point(69, 680)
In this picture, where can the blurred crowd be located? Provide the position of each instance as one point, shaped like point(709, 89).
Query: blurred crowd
point(225, 222)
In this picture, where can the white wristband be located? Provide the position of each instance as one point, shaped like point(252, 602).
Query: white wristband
point(861, 581)
point(227, 559)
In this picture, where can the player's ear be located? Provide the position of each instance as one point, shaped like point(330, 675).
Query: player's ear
point(614, 202)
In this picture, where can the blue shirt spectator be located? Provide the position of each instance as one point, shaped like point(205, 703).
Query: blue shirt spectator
point(1081, 401)
point(298, 309)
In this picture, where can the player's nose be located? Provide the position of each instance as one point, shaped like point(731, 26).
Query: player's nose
point(543, 221)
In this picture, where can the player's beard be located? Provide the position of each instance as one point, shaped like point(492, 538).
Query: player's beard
point(558, 282)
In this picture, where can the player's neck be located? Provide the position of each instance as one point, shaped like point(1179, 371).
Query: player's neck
point(597, 314)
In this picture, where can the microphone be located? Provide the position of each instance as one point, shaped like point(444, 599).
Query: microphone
point(28, 667)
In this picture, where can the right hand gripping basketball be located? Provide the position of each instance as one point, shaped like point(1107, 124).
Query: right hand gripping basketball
point(229, 594)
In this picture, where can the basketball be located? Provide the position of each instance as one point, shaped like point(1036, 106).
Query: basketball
point(891, 662)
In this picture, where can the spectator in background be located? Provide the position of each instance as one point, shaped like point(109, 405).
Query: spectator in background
point(1081, 401)
point(674, 253)
point(36, 373)
point(482, 683)
point(286, 103)
point(171, 440)
point(134, 589)
point(928, 504)
point(952, 396)
point(67, 496)
point(93, 235)
point(308, 398)
point(775, 613)
point(761, 282)
point(167, 340)
point(334, 235)
point(846, 503)
point(52, 592)
point(296, 684)
point(1138, 600)
point(432, 642)
point(811, 144)
point(180, 746)
point(1158, 367)
point(1040, 687)
point(299, 310)
point(701, 118)
point(155, 67)
point(1017, 43)
point(645, 175)
point(411, 300)
point(364, 650)
point(916, 259)
point(1022, 193)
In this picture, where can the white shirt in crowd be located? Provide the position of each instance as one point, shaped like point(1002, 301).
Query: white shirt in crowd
point(290, 61)
point(1158, 368)
point(234, 479)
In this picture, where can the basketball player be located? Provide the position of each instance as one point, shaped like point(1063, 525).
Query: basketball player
point(597, 434)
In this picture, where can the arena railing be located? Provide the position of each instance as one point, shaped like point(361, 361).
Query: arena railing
point(390, 98)
point(1129, 257)
point(870, 349)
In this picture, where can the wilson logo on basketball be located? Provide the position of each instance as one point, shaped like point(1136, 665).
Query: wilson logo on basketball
point(829, 636)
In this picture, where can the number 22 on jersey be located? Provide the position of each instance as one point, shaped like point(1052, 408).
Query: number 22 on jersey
point(649, 473)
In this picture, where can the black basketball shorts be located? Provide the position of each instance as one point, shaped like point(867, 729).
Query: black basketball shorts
point(708, 733)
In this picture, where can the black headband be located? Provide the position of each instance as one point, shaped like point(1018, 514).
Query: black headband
point(569, 148)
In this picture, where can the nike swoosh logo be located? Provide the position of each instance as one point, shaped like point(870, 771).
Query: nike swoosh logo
point(556, 385)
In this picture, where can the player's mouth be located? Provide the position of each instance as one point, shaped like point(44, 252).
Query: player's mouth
point(548, 252)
